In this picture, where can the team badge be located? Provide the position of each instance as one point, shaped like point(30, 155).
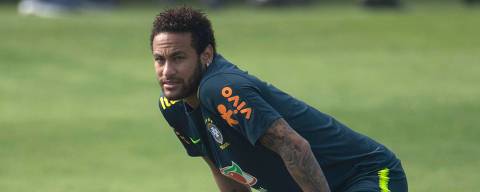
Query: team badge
point(212, 128)
point(216, 134)
point(235, 172)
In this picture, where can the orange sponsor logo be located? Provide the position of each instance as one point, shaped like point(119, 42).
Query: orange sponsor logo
point(226, 113)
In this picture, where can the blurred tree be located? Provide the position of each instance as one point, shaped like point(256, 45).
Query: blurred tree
point(209, 3)
point(212, 3)
point(277, 2)
point(471, 2)
point(381, 3)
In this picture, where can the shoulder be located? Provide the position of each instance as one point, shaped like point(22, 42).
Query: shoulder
point(224, 88)
point(222, 73)
point(167, 105)
point(224, 82)
point(172, 111)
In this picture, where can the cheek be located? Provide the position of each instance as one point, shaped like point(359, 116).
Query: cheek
point(185, 70)
point(158, 69)
point(192, 72)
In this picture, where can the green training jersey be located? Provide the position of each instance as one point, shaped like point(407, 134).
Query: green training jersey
point(237, 108)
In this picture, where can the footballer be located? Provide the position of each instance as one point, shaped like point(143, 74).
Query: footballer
point(250, 133)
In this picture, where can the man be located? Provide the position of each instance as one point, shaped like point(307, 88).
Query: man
point(250, 133)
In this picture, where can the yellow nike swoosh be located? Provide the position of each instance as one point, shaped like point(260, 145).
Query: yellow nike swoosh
point(194, 141)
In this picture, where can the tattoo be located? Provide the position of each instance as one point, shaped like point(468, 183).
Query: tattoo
point(296, 154)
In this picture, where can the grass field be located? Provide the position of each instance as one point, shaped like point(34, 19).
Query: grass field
point(78, 94)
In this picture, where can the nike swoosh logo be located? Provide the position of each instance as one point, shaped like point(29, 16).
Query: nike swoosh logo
point(194, 141)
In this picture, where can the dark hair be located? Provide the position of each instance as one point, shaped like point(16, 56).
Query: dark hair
point(185, 20)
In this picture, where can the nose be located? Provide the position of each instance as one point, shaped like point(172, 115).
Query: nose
point(168, 70)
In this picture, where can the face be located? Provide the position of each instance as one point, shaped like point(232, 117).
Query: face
point(177, 64)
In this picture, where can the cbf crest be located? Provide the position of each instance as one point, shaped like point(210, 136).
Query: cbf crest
point(216, 134)
point(212, 128)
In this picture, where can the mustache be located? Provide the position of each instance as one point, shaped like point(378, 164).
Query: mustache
point(171, 80)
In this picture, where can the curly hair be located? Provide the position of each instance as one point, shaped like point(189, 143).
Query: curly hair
point(185, 20)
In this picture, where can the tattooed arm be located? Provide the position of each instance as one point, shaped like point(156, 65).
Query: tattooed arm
point(297, 156)
point(225, 184)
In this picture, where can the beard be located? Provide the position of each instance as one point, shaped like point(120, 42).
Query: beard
point(189, 86)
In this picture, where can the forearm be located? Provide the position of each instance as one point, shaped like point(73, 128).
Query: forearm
point(297, 156)
point(304, 168)
point(225, 184)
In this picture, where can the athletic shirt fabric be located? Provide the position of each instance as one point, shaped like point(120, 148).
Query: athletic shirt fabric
point(235, 111)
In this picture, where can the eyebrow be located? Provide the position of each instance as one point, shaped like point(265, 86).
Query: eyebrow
point(156, 55)
point(175, 53)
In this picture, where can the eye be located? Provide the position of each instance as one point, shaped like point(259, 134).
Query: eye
point(160, 60)
point(178, 58)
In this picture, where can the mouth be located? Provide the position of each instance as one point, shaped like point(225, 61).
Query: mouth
point(170, 84)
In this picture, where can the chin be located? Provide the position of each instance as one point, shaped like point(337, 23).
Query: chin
point(177, 94)
point(172, 95)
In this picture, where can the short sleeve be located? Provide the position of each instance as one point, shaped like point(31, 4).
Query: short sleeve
point(174, 114)
point(239, 102)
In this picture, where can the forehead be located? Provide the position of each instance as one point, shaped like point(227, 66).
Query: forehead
point(167, 42)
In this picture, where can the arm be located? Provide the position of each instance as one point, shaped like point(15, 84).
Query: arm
point(225, 184)
point(297, 155)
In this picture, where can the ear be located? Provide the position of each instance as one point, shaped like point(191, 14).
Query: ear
point(207, 55)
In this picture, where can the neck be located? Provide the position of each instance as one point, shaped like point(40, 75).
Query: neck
point(192, 101)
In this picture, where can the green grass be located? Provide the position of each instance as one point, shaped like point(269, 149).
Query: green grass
point(78, 94)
